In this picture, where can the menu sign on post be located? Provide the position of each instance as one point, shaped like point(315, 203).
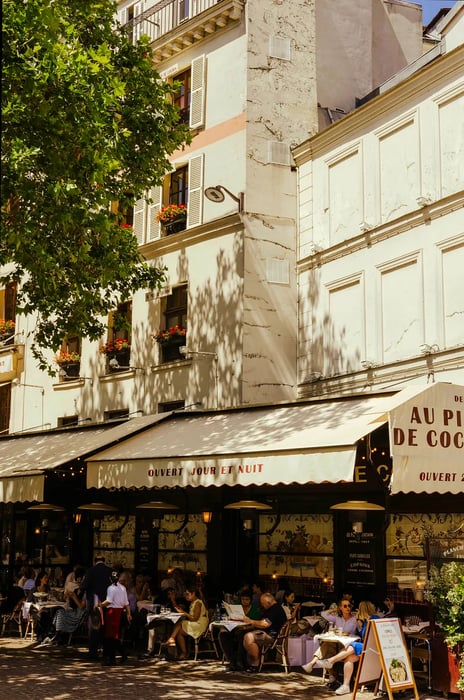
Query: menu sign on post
point(360, 558)
point(385, 654)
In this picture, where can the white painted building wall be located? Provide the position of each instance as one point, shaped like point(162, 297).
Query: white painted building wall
point(381, 242)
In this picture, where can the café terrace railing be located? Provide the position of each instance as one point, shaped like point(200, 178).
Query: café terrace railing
point(169, 15)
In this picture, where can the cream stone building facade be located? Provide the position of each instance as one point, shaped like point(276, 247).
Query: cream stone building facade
point(381, 238)
point(255, 80)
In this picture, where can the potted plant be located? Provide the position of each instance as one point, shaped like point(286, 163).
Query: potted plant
point(170, 341)
point(70, 362)
point(445, 591)
point(7, 329)
point(171, 335)
point(172, 217)
point(118, 349)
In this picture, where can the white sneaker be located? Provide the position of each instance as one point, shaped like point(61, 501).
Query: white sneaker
point(308, 668)
point(343, 690)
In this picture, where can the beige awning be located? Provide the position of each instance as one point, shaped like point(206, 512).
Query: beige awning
point(298, 443)
point(25, 459)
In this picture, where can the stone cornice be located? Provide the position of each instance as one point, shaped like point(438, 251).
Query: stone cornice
point(224, 226)
point(447, 66)
point(391, 228)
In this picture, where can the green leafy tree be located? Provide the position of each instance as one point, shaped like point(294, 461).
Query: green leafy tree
point(86, 121)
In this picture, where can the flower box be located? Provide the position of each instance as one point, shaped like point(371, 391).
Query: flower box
point(171, 336)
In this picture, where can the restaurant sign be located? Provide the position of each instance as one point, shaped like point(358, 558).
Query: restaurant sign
point(244, 470)
point(427, 441)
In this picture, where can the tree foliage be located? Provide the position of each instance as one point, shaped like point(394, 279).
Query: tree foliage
point(86, 122)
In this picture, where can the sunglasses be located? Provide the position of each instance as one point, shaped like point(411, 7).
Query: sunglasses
point(346, 606)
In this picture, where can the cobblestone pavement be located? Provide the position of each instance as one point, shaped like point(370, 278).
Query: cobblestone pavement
point(60, 673)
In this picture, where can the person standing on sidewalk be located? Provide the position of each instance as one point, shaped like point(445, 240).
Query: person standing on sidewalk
point(95, 585)
point(115, 602)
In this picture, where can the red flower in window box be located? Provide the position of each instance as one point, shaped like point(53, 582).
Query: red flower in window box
point(171, 212)
point(113, 346)
point(173, 333)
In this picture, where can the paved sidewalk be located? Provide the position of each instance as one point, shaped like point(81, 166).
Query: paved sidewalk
point(28, 670)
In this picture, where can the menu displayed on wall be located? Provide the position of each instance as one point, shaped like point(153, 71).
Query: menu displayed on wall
point(360, 558)
point(144, 548)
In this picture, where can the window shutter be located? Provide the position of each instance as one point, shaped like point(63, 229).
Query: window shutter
point(138, 26)
point(197, 98)
point(195, 199)
point(122, 17)
point(140, 212)
point(153, 226)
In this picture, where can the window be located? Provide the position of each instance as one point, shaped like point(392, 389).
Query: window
point(118, 347)
point(116, 414)
point(8, 313)
point(67, 421)
point(175, 314)
point(182, 97)
point(70, 358)
point(170, 406)
point(184, 185)
point(5, 400)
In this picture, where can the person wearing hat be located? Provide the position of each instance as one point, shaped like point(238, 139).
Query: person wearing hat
point(115, 602)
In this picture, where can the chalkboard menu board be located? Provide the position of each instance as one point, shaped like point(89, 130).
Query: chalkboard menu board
point(359, 558)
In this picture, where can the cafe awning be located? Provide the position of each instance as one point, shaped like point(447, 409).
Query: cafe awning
point(25, 459)
point(299, 443)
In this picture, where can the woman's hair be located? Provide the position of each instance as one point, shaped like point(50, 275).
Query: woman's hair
point(342, 600)
point(246, 593)
point(39, 577)
point(287, 593)
point(365, 610)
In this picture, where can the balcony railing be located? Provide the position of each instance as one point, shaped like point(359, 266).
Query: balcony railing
point(179, 23)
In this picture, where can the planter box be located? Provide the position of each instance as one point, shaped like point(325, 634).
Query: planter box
point(175, 226)
point(72, 370)
point(445, 668)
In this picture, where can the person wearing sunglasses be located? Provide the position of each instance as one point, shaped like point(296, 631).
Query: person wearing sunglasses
point(351, 653)
point(342, 618)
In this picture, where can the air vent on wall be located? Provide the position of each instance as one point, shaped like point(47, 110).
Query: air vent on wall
point(280, 47)
point(278, 153)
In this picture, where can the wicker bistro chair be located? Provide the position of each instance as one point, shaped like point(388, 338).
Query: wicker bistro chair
point(276, 653)
point(13, 619)
point(206, 640)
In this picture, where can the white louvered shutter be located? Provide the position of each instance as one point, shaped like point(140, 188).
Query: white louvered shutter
point(153, 226)
point(140, 213)
point(122, 17)
point(138, 26)
point(195, 197)
point(197, 97)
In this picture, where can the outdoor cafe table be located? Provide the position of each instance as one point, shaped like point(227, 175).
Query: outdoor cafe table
point(343, 639)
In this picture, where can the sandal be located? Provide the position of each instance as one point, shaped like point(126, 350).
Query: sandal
point(171, 643)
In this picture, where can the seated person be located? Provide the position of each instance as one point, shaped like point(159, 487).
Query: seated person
point(342, 618)
point(288, 603)
point(231, 642)
point(68, 619)
point(159, 626)
point(352, 652)
point(263, 631)
point(192, 624)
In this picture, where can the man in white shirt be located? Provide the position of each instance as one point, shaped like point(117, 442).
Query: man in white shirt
point(116, 601)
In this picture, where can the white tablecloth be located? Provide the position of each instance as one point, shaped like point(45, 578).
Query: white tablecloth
point(171, 617)
point(229, 625)
point(343, 639)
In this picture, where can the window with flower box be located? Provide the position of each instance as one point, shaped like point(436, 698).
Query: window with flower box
point(117, 348)
point(68, 358)
point(183, 187)
point(173, 336)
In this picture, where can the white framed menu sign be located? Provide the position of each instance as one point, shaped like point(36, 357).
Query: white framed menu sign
point(385, 653)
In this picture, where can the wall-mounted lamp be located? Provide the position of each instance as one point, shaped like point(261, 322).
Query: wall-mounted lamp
point(216, 194)
point(98, 507)
point(207, 516)
point(426, 349)
point(247, 512)
point(368, 364)
point(77, 518)
point(114, 364)
point(424, 201)
point(364, 226)
point(356, 505)
point(47, 507)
